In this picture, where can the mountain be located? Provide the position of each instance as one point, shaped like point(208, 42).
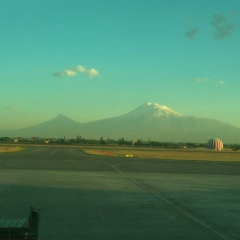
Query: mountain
point(160, 123)
point(58, 127)
point(149, 121)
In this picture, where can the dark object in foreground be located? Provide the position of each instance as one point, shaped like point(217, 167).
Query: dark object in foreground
point(19, 229)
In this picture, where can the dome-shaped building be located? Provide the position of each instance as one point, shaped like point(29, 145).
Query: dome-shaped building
point(215, 143)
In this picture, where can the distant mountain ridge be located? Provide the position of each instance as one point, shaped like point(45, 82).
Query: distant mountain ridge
point(150, 121)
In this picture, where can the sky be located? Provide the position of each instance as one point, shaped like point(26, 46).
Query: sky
point(95, 59)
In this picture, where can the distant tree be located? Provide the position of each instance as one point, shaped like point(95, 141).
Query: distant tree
point(121, 141)
point(139, 142)
point(155, 144)
point(166, 144)
point(5, 139)
point(202, 145)
point(235, 147)
point(102, 142)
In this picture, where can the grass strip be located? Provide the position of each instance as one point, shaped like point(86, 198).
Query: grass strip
point(173, 154)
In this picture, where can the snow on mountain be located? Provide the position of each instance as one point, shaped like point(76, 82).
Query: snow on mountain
point(155, 110)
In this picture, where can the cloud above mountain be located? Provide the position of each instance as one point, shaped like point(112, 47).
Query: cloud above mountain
point(223, 28)
point(92, 72)
point(200, 79)
point(80, 69)
point(221, 82)
point(192, 33)
point(204, 79)
point(72, 72)
point(8, 108)
point(235, 13)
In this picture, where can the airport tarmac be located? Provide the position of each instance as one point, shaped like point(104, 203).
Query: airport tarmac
point(95, 197)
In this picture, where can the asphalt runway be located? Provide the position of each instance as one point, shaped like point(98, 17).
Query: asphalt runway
point(95, 197)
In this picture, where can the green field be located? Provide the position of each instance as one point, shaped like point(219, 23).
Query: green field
point(148, 152)
point(170, 154)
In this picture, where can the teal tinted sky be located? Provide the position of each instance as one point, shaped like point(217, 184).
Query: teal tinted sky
point(95, 59)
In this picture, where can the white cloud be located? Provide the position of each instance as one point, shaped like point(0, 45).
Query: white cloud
point(72, 72)
point(200, 79)
point(80, 69)
point(221, 82)
point(67, 72)
point(92, 72)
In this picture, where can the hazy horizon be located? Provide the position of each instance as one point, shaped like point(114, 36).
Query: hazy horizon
point(92, 60)
point(64, 115)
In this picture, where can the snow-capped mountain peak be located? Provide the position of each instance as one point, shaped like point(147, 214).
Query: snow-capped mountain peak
point(156, 110)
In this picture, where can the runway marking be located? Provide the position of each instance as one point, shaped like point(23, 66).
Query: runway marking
point(190, 216)
point(3, 188)
point(103, 218)
point(33, 151)
point(53, 151)
point(105, 224)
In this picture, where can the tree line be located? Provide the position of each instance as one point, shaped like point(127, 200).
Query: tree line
point(121, 142)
